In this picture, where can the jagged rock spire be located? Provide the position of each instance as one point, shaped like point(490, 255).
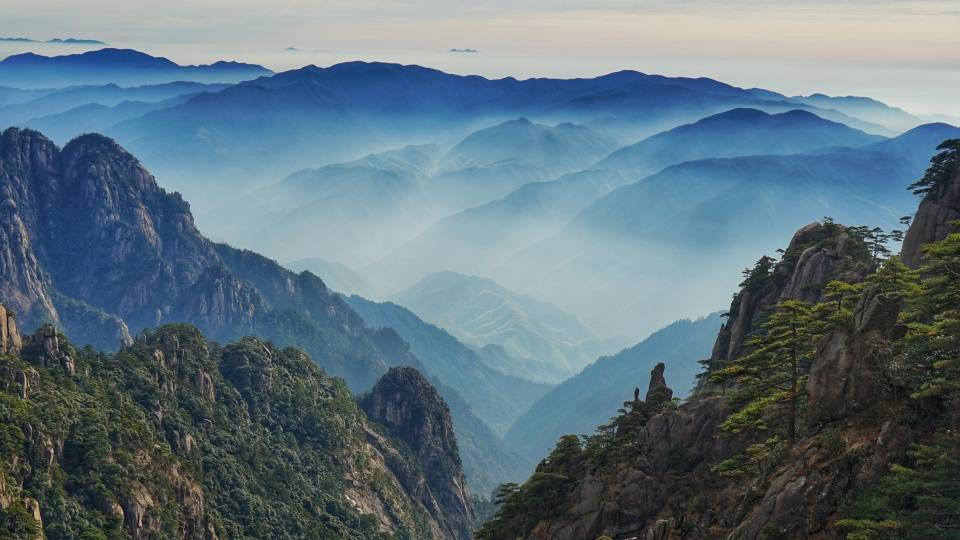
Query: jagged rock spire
point(658, 391)
point(10, 341)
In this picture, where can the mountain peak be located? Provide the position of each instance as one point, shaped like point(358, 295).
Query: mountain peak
point(739, 113)
point(412, 410)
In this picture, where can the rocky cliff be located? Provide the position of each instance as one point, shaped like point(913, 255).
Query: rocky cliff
point(91, 243)
point(816, 254)
point(411, 410)
point(938, 210)
point(177, 437)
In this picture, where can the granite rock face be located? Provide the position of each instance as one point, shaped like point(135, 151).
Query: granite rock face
point(10, 340)
point(658, 391)
point(817, 254)
point(939, 208)
point(410, 408)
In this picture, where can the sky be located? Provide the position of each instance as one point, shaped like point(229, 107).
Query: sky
point(904, 53)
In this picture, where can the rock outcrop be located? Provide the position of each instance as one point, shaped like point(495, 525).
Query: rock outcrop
point(939, 208)
point(817, 253)
point(45, 350)
point(658, 391)
point(10, 340)
point(410, 408)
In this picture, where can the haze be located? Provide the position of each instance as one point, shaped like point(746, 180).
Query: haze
point(905, 53)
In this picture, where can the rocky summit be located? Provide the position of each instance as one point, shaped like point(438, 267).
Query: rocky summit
point(411, 410)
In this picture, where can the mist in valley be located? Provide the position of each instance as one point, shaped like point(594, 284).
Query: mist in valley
point(535, 247)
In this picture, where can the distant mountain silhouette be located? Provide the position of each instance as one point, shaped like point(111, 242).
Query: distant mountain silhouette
point(270, 127)
point(64, 41)
point(125, 67)
point(352, 211)
point(492, 162)
point(863, 107)
point(481, 239)
point(649, 236)
point(50, 103)
point(479, 311)
point(737, 132)
point(361, 209)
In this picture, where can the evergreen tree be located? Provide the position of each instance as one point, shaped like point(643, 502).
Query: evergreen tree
point(933, 343)
point(770, 378)
point(942, 166)
point(542, 496)
point(840, 298)
point(758, 275)
point(894, 277)
point(916, 500)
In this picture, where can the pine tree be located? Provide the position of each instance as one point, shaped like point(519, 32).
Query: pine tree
point(770, 378)
point(933, 343)
point(894, 277)
point(942, 166)
point(919, 499)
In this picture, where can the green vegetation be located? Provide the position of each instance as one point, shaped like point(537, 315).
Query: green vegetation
point(920, 497)
point(546, 493)
point(770, 378)
point(916, 500)
point(541, 497)
point(177, 435)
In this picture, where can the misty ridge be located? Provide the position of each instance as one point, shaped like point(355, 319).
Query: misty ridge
point(534, 248)
point(595, 195)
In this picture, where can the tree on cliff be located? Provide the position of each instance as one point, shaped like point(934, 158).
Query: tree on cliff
point(941, 167)
point(768, 380)
point(933, 315)
point(917, 499)
point(541, 497)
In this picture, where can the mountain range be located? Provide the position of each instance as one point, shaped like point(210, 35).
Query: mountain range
point(737, 132)
point(695, 210)
point(270, 127)
point(478, 271)
point(68, 41)
point(361, 209)
point(480, 312)
point(124, 67)
point(482, 238)
point(61, 106)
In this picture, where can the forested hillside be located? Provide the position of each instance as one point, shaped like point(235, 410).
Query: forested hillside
point(176, 436)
